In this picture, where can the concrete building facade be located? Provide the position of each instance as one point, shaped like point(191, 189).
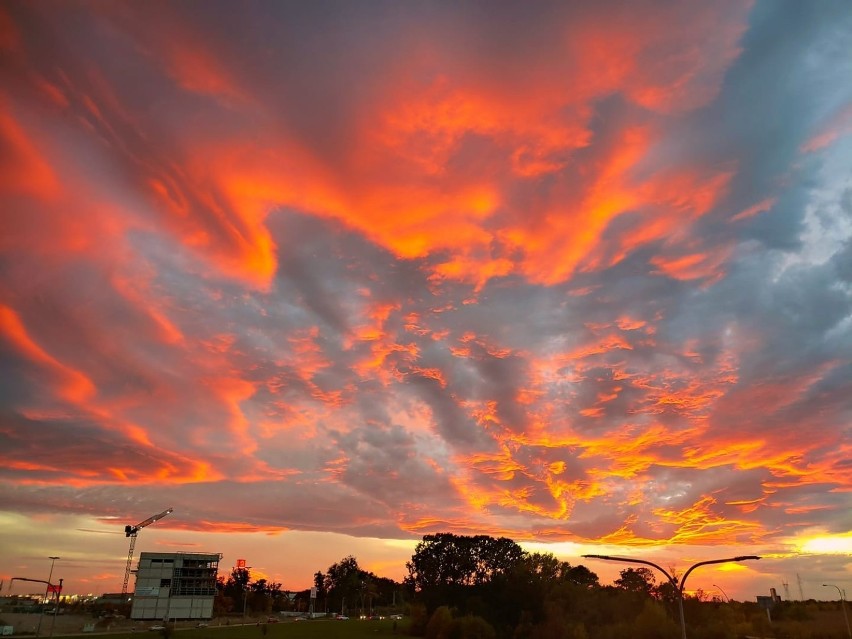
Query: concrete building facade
point(175, 586)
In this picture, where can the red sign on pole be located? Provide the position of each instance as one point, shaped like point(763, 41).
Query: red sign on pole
point(54, 589)
point(241, 563)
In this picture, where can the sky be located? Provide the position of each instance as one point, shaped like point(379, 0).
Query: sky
point(327, 277)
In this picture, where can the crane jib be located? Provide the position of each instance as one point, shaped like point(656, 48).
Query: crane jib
point(131, 531)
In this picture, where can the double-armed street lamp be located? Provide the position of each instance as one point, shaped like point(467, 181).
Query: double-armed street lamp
point(671, 579)
point(842, 606)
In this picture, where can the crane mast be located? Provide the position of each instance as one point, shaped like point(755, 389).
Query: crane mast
point(132, 531)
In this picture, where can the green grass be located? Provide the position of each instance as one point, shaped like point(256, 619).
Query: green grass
point(308, 629)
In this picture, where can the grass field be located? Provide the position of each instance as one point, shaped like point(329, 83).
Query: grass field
point(307, 629)
point(287, 628)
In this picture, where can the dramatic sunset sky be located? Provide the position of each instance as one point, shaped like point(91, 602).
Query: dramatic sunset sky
point(327, 277)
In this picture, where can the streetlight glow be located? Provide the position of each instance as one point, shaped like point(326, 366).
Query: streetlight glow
point(673, 581)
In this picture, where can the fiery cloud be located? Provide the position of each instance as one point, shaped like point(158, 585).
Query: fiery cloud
point(576, 274)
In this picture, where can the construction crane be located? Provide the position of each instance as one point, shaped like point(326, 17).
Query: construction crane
point(132, 531)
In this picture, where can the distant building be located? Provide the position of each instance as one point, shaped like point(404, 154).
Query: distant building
point(20, 603)
point(175, 586)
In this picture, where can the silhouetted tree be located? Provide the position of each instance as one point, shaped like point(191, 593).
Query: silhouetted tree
point(447, 559)
point(343, 583)
point(638, 580)
point(322, 593)
point(653, 623)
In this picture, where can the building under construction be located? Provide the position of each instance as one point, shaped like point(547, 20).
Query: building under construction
point(175, 585)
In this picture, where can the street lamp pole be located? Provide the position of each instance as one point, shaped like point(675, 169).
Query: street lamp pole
point(727, 598)
point(46, 591)
point(55, 607)
point(671, 579)
point(245, 592)
point(842, 606)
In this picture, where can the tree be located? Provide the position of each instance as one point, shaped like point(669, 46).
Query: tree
point(448, 559)
point(236, 586)
point(276, 596)
point(343, 582)
point(669, 594)
point(652, 623)
point(493, 557)
point(322, 593)
point(222, 603)
point(637, 580)
point(346, 584)
point(582, 576)
point(261, 599)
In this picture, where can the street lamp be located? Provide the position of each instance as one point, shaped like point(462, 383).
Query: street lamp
point(671, 579)
point(46, 591)
point(727, 598)
point(55, 606)
point(245, 592)
point(842, 606)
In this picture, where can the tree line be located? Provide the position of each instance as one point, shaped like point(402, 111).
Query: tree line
point(481, 587)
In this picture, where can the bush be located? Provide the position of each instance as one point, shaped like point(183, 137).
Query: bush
point(417, 613)
point(654, 623)
point(438, 624)
point(470, 627)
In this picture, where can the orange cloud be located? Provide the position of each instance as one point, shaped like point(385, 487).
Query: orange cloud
point(74, 385)
point(23, 168)
point(761, 207)
point(230, 527)
point(698, 524)
point(692, 267)
point(195, 69)
point(659, 67)
point(840, 124)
